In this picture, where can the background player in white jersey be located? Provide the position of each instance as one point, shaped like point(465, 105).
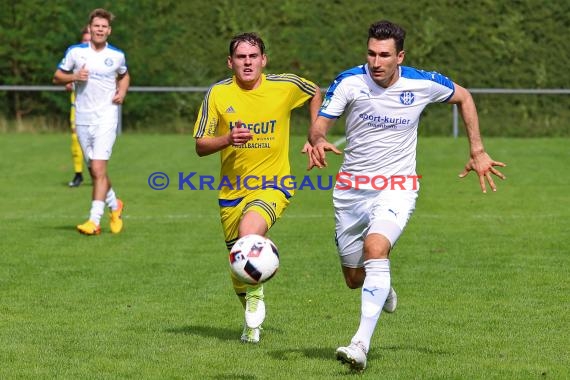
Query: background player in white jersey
point(101, 78)
point(383, 102)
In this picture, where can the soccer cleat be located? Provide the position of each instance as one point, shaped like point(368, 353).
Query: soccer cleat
point(391, 302)
point(254, 307)
point(116, 221)
point(76, 181)
point(89, 228)
point(250, 335)
point(354, 356)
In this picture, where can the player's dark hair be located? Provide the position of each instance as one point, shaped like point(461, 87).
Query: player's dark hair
point(251, 38)
point(385, 30)
point(101, 13)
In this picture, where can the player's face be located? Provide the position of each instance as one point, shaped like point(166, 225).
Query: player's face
point(383, 61)
point(247, 63)
point(100, 30)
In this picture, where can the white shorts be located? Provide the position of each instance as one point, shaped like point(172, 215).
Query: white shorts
point(362, 212)
point(96, 140)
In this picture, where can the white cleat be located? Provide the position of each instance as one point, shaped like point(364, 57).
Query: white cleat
point(391, 302)
point(254, 307)
point(250, 335)
point(354, 356)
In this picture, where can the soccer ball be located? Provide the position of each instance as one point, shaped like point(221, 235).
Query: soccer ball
point(254, 259)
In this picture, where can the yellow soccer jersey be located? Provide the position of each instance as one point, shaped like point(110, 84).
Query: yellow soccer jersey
point(266, 111)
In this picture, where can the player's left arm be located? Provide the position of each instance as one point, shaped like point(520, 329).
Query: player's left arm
point(123, 83)
point(479, 160)
point(314, 106)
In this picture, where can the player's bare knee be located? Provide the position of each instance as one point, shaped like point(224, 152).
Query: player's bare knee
point(377, 246)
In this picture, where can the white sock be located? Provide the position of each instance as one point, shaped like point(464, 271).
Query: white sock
point(97, 210)
point(111, 199)
point(374, 293)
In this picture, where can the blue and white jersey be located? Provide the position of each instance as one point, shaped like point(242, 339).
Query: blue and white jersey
point(382, 123)
point(94, 97)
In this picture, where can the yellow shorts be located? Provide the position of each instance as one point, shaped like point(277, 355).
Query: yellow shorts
point(269, 203)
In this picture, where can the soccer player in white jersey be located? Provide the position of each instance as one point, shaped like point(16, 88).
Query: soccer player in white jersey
point(99, 71)
point(377, 185)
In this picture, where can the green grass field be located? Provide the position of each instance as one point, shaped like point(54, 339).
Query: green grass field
point(482, 279)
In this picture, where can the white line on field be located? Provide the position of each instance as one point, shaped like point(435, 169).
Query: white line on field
point(339, 141)
point(327, 214)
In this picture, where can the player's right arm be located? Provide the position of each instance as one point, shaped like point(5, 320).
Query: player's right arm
point(64, 77)
point(236, 136)
point(69, 70)
point(317, 138)
point(206, 130)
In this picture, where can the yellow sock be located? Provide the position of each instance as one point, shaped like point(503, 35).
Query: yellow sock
point(76, 153)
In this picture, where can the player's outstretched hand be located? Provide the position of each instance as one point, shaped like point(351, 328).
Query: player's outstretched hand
point(483, 165)
point(307, 149)
point(318, 154)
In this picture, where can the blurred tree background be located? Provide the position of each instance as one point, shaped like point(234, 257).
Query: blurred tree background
point(485, 44)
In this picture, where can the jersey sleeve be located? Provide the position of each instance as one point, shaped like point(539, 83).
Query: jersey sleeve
point(123, 66)
point(67, 64)
point(207, 122)
point(304, 90)
point(300, 91)
point(335, 100)
point(442, 87)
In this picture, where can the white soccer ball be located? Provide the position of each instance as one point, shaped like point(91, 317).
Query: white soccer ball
point(254, 259)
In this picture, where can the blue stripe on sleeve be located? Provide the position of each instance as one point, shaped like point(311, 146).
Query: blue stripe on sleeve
point(413, 73)
point(321, 113)
point(358, 70)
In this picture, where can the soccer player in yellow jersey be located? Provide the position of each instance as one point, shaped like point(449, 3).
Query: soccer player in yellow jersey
point(246, 118)
point(76, 152)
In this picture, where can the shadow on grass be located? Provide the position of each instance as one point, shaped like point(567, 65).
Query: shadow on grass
point(328, 353)
point(310, 353)
point(68, 227)
point(206, 331)
point(421, 350)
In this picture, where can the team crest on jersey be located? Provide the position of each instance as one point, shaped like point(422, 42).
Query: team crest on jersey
point(109, 62)
point(407, 98)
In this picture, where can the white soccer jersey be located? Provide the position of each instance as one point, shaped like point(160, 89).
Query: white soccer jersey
point(381, 123)
point(94, 97)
